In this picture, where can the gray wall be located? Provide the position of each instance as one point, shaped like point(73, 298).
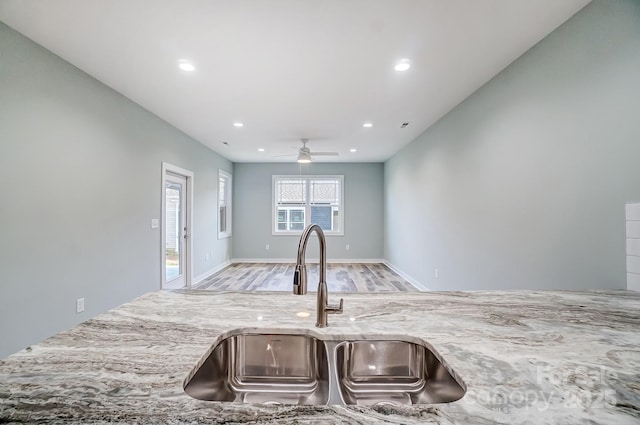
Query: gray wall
point(523, 185)
point(252, 211)
point(81, 170)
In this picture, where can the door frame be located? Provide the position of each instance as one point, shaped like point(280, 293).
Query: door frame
point(188, 263)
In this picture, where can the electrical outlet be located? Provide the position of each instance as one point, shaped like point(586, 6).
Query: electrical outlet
point(436, 273)
point(348, 247)
point(79, 305)
point(266, 247)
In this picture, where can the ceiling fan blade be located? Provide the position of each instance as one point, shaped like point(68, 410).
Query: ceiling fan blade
point(323, 153)
point(280, 156)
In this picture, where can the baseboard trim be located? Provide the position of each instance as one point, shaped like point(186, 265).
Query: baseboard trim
point(406, 277)
point(263, 260)
point(308, 260)
point(357, 261)
point(208, 273)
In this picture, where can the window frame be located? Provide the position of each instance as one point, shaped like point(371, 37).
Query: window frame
point(228, 189)
point(306, 205)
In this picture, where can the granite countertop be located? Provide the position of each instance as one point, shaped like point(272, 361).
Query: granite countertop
point(525, 356)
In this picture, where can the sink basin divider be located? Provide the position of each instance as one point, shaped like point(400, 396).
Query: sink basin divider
point(335, 394)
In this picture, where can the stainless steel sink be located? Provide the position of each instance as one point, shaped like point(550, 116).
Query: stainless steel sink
point(263, 368)
point(393, 372)
point(289, 367)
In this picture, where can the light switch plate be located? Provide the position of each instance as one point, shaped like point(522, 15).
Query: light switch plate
point(155, 223)
point(79, 305)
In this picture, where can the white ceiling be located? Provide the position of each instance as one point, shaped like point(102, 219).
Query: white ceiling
point(290, 69)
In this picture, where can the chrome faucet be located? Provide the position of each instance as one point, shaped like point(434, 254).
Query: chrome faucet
point(300, 276)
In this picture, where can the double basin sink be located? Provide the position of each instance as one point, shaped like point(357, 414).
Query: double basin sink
point(296, 367)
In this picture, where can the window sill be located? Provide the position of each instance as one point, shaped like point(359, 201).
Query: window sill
point(298, 234)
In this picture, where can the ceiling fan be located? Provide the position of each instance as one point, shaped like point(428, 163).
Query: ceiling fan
point(305, 154)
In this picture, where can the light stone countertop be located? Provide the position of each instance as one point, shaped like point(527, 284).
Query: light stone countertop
point(537, 357)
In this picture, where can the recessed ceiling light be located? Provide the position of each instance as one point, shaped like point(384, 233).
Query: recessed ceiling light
point(367, 125)
point(186, 66)
point(238, 124)
point(353, 150)
point(260, 149)
point(403, 65)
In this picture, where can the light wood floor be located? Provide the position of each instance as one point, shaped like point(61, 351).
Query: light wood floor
point(279, 277)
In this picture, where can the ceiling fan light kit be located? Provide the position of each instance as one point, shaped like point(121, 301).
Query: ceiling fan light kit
point(304, 158)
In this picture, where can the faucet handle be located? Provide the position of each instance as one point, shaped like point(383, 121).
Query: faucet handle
point(335, 309)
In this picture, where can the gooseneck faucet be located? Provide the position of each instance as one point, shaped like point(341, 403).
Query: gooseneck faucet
point(300, 276)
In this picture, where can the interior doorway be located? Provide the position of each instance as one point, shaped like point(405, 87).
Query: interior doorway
point(176, 247)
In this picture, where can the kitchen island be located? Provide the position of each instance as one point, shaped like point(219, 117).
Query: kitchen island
point(525, 356)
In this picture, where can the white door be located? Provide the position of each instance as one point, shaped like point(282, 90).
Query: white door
point(176, 231)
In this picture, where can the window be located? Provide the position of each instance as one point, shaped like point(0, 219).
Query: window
point(302, 200)
point(224, 204)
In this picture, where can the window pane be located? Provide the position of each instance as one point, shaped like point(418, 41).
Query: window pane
point(297, 216)
point(297, 226)
point(291, 191)
point(282, 226)
point(322, 217)
point(282, 215)
point(222, 192)
point(223, 219)
point(324, 191)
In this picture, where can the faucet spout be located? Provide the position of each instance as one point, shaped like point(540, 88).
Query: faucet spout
point(300, 276)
